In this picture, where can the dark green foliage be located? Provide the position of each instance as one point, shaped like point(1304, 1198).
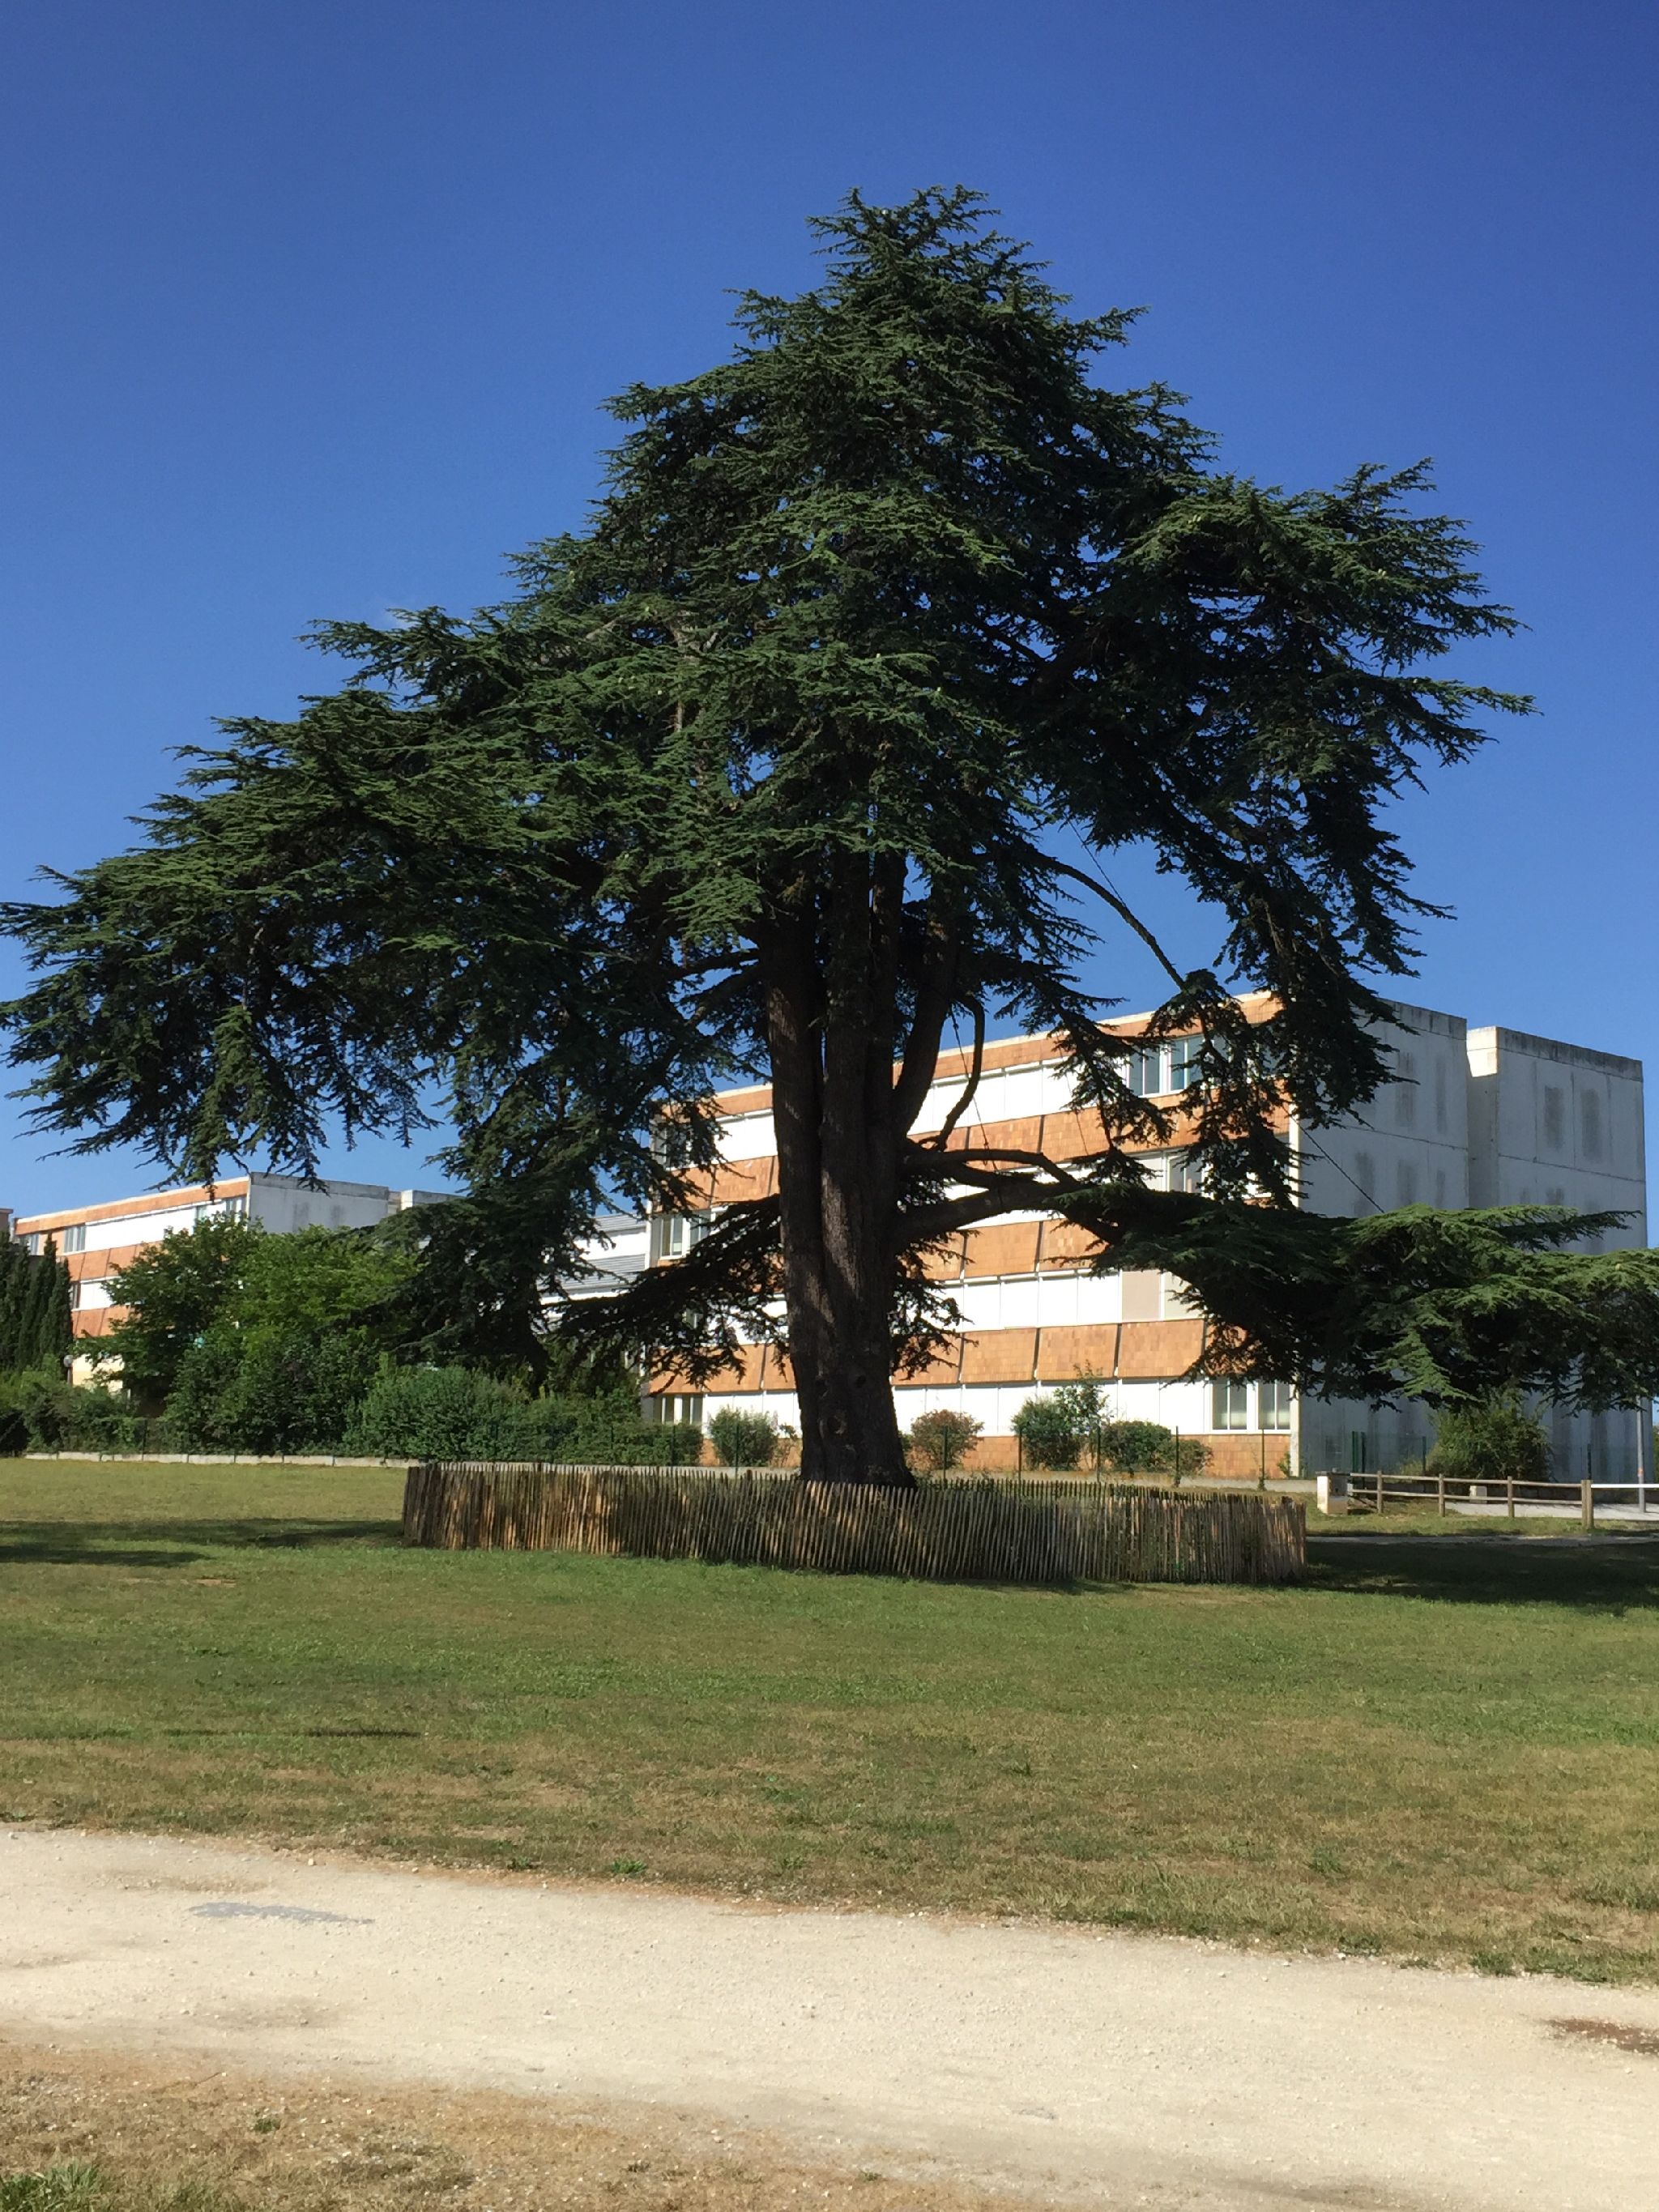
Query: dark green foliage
point(744, 1439)
point(1492, 1440)
point(39, 1410)
point(35, 1327)
point(942, 1440)
point(267, 1390)
point(442, 1413)
point(770, 773)
point(1050, 1433)
point(227, 1277)
point(1072, 1426)
point(454, 1412)
point(1147, 1447)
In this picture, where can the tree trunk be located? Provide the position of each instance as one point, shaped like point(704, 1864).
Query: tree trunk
point(849, 1429)
point(837, 1179)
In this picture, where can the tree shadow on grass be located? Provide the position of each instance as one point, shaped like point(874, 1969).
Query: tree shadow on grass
point(176, 1543)
point(1618, 1574)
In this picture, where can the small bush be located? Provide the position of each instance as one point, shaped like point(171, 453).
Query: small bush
point(742, 1439)
point(943, 1440)
point(445, 1413)
point(1492, 1440)
point(1140, 1448)
point(1048, 1432)
point(1072, 1427)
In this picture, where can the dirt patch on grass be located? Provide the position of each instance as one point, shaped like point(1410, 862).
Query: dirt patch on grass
point(111, 2135)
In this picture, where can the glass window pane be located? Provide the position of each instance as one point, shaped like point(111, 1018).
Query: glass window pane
point(1184, 1054)
point(1232, 1405)
point(1273, 1406)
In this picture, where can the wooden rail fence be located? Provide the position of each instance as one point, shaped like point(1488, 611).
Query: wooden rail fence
point(948, 1529)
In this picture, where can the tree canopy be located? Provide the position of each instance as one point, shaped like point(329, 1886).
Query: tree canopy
point(226, 1279)
point(810, 750)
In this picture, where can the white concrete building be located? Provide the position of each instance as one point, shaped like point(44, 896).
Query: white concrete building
point(1473, 1118)
point(96, 1241)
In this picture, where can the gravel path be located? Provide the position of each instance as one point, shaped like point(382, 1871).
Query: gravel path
point(1130, 2070)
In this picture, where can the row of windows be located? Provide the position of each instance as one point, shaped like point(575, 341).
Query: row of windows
point(1232, 1406)
point(73, 1238)
point(1232, 1410)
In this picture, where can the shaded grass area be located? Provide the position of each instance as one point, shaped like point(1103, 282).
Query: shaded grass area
point(1440, 1748)
point(76, 2135)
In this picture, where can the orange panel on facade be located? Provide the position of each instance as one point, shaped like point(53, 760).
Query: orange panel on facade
point(736, 1179)
point(999, 1355)
point(1073, 1136)
point(1065, 1245)
point(1063, 1354)
point(944, 1369)
point(943, 1263)
point(1159, 1348)
point(1008, 1248)
point(1022, 1136)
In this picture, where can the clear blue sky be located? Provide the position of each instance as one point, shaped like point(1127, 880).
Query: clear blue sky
point(309, 310)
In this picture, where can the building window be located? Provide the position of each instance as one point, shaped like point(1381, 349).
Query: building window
point(679, 1406)
point(1185, 1056)
point(1364, 1173)
point(1144, 1071)
point(233, 1209)
point(1407, 1178)
point(75, 1297)
point(33, 1242)
point(677, 1233)
point(1589, 1124)
point(1272, 1402)
point(75, 1236)
point(1184, 1172)
point(1153, 1070)
point(1232, 1405)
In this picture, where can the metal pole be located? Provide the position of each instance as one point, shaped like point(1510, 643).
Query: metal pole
point(1641, 1466)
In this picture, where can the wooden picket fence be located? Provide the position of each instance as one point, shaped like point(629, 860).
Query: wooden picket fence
point(948, 1529)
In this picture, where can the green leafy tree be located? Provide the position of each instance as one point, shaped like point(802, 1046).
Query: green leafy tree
point(268, 1389)
point(225, 1276)
point(773, 772)
point(174, 1294)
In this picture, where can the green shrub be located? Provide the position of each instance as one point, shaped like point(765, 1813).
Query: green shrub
point(610, 1432)
point(744, 1439)
point(1072, 1427)
point(42, 1411)
point(444, 1413)
point(455, 1412)
point(267, 1390)
point(942, 1440)
point(1489, 1441)
point(1048, 1432)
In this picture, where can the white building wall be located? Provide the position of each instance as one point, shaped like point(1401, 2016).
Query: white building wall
point(1479, 1117)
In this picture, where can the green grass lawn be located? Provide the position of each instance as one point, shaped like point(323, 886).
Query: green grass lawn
point(1439, 1748)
